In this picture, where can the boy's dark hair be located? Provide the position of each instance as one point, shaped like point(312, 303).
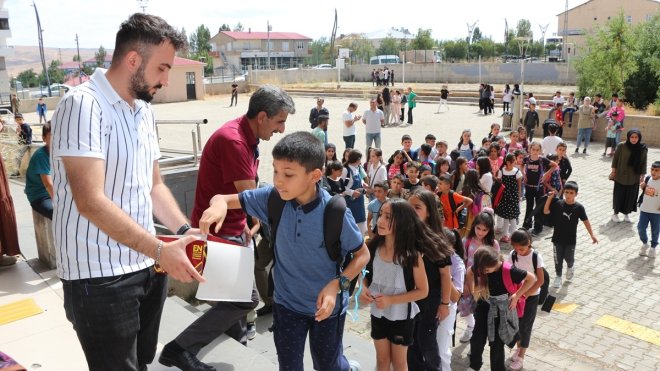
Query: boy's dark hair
point(430, 180)
point(484, 165)
point(655, 165)
point(412, 165)
point(398, 177)
point(353, 156)
point(406, 137)
point(353, 105)
point(571, 185)
point(303, 148)
point(562, 144)
point(382, 185)
point(441, 161)
point(323, 118)
point(426, 149)
point(333, 166)
point(45, 130)
point(454, 155)
point(615, 95)
point(497, 138)
point(552, 129)
point(552, 157)
point(445, 179)
point(429, 137)
point(140, 32)
point(422, 168)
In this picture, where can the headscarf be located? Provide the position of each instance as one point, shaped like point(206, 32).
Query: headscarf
point(636, 150)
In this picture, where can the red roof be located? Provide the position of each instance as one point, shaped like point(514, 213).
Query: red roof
point(75, 81)
point(264, 35)
point(69, 65)
point(178, 61)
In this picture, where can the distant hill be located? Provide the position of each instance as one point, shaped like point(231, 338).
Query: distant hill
point(26, 57)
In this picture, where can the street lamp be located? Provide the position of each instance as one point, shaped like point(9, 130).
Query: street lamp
point(41, 48)
point(471, 28)
point(337, 65)
point(543, 30)
point(523, 42)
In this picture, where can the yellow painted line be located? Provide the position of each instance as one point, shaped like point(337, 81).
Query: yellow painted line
point(629, 328)
point(18, 310)
point(565, 308)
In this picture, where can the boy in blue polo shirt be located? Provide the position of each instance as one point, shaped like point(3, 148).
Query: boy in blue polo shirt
point(306, 284)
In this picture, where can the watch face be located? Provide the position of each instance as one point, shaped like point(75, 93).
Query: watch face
point(344, 283)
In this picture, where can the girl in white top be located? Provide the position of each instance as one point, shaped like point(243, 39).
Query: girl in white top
point(522, 257)
point(395, 250)
point(485, 174)
point(376, 171)
point(507, 96)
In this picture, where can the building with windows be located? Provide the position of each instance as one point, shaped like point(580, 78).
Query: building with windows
point(5, 52)
point(234, 51)
point(574, 26)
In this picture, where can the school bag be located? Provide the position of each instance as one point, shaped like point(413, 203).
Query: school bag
point(512, 288)
point(333, 222)
point(497, 190)
point(462, 217)
point(546, 277)
point(641, 197)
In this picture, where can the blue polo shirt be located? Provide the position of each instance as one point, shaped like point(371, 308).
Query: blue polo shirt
point(39, 164)
point(302, 265)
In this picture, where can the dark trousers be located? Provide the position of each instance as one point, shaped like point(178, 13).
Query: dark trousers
point(234, 99)
point(479, 338)
point(424, 354)
point(349, 141)
point(403, 110)
point(532, 199)
point(526, 322)
point(290, 331)
point(410, 115)
point(563, 252)
point(117, 318)
point(43, 206)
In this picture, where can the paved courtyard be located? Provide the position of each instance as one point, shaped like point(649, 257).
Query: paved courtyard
point(610, 280)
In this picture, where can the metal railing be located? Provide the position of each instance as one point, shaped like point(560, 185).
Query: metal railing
point(196, 142)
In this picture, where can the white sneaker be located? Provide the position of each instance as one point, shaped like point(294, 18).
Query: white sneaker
point(615, 218)
point(651, 253)
point(557, 283)
point(569, 273)
point(643, 249)
point(467, 335)
point(355, 366)
point(626, 218)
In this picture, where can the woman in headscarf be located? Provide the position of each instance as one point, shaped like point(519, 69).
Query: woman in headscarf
point(8, 233)
point(628, 170)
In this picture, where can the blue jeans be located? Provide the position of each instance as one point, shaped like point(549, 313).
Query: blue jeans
point(644, 220)
point(43, 206)
point(570, 114)
point(290, 331)
point(372, 137)
point(349, 141)
point(584, 135)
point(117, 318)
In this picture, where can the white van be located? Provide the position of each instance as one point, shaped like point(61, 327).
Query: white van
point(385, 59)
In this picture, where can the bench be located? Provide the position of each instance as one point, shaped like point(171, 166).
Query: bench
point(43, 232)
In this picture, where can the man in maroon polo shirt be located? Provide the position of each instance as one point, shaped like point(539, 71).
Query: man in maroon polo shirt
point(229, 165)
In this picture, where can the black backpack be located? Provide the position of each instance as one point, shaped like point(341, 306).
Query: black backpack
point(333, 222)
point(546, 277)
point(462, 217)
point(641, 196)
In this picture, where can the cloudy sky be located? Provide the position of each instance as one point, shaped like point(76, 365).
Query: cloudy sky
point(96, 21)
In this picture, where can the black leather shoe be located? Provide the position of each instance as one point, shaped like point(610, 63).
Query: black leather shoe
point(266, 309)
point(183, 359)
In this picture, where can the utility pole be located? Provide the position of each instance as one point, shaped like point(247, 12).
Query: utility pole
point(470, 31)
point(543, 30)
point(143, 4)
point(80, 71)
point(41, 48)
point(565, 33)
point(268, 27)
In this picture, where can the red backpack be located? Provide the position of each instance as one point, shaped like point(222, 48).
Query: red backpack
point(512, 288)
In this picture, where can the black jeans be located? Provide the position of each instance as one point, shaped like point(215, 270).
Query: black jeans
point(563, 253)
point(424, 354)
point(349, 141)
point(410, 115)
point(532, 200)
point(43, 206)
point(234, 99)
point(117, 318)
point(479, 338)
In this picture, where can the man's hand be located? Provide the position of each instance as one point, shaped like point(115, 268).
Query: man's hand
point(325, 302)
point(174, 261)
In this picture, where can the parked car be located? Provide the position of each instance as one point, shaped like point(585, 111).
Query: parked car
point(323, 67)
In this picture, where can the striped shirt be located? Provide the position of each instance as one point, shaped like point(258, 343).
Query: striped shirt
point(94, 121)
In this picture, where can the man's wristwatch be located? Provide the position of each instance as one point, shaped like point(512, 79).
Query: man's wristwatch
point(344, 282)
point(183, 229)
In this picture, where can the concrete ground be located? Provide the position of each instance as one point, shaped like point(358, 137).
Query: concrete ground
point(610, 280)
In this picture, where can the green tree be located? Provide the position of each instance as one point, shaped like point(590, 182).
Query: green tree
point(476, 35)
point(388, 46)
point(608, 60)
point(28, 78)
point(643, 85)
point(55, 73)
point(238, 27)
point(200, 40)
point(361, 48)
point(319, 49)
point(100, 56)
point(485, 48)
point(184, 52)
point(455, 50)
point(524, 29)
point(423, 40)
point(224, 27)
point(76, 58)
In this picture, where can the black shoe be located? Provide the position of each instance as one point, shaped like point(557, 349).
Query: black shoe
point(577, 149)
point(536, 233)
point(584, 151)
point(183, 359)
point(266, 309)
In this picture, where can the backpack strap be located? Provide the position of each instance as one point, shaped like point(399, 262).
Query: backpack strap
point(535, 260)
point(506, 277)
point(452, 202)
point(333, 222)
point(275, 207)
point(409, 279)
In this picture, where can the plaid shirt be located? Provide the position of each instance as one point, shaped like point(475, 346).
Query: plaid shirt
point(508, 326)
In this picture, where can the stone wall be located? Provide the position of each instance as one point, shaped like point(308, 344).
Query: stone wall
point(225, 87)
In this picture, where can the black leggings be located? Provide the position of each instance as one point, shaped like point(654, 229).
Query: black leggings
point(479, 338)
point(505, 106)
point(532, 199)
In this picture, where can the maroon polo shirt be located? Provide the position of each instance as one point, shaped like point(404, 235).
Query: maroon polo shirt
point(228, 156)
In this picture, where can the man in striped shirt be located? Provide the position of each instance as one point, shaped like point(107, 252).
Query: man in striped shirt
point(107, 189)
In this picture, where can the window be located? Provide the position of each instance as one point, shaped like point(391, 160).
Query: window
point(285, 46)
point(300, 45)
point(4, 24)
point(629, 19)
point(269, 45)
